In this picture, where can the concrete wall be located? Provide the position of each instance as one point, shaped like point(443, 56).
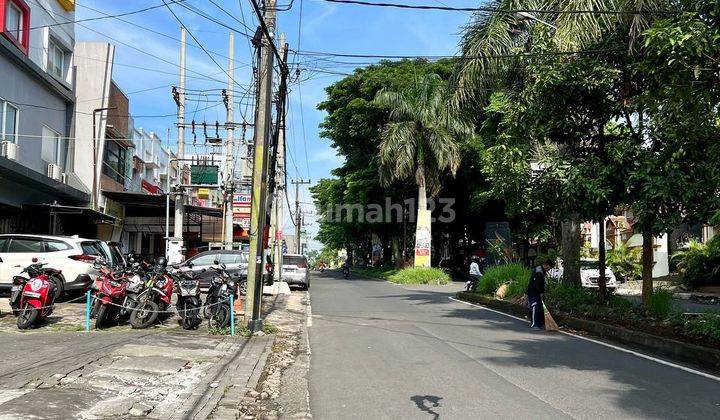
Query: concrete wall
point(94, 65)
point(21, 87)
point(49, 12)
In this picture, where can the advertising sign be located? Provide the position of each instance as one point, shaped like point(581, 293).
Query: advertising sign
point(423, 239)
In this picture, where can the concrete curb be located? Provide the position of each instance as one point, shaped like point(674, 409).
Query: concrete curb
point(701, 356)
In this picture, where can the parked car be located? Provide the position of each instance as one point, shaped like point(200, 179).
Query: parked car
point(235, 262)
point(295, 270)
point(73, 256)
point(589, 274)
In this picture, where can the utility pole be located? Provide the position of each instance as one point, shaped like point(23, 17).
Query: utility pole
point(230, 146)
point(258, 212)
point(180, 196)
point(298, 214)
point(277, 210)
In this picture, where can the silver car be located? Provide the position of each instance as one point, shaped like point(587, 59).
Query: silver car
point(295, 270)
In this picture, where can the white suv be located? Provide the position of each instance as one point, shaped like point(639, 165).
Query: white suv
point(589, 274)
point(73, 256)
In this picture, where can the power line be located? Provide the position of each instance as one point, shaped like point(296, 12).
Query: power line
point(451, 57)
point(133, 12)
point(500, 10)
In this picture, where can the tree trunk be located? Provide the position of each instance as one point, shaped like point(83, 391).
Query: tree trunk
point(570, 233)
point(648, 261)
point(423, 233)
point(602, 283)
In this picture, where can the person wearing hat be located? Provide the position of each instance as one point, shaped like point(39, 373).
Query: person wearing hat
point(535, 292)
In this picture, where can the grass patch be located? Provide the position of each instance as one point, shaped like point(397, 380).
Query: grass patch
point(662, 304)
point(514, 274)
point(270, 328)
point(381, 272)
point(219, 331)
point(420, 275)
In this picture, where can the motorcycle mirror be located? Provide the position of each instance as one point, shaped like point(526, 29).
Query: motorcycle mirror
point(190, 264)
point(34, 260)
point(216, 262)
point(223, 266)
point(203, 270)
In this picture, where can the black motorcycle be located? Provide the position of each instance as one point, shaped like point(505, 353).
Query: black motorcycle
point(217, 303)
point(188, 301)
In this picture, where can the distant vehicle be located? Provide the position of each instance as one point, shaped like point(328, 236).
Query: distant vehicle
point(589, 274)
point(71, 255)
point(295, 270)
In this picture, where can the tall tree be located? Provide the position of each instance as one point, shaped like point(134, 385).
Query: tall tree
point(420, 142)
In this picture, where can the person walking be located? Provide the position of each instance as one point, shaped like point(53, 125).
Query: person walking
point(535, 292)
point(474, 274)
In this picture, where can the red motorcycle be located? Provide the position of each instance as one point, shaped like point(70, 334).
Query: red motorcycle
point(110, 290)
point(33, 298)
point(155, 298)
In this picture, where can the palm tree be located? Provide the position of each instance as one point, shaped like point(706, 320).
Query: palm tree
point(498, 44)
point(420, 142)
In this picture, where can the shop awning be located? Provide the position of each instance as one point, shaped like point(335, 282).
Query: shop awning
point(60, 210)
point(149, 205)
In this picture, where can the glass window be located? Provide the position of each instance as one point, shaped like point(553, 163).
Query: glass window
point(3, 243)
point(92, 248)
point(54, 246)
point(292, 260)
point(8, 121)
point(56, 59)
point(205, 259)
point(14, 21)
point(114, 161)
point(25, 245)
point(231, 258)
point(54, 148)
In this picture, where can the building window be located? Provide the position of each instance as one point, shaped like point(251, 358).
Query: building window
point(15, 19)
point(8, 121)
point(57, 59)
point(114, 161)
point(54, 148)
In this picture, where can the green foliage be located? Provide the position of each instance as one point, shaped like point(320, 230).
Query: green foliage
point(541, 258)
point(270, 328)
point(705, 324)
point(699, 263)
point(569, 297)
point(662, 304)
point(380, 272)
point(514, 274)
point(420, 275)
point(220, 331)
point(625, 262)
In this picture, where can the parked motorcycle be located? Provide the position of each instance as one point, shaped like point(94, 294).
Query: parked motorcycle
point(155, 297)
point(33, 298)
point(135, 286)
point(217, 303)
point(110, 292)
point(188, 301)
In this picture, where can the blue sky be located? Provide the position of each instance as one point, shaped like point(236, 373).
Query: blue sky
point(327, 27)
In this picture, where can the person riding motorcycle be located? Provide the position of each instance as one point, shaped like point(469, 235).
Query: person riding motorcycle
point(474, 274)
point(346, 269)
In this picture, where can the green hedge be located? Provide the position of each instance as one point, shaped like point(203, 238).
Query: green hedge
point(514, 274)
point(420, 276)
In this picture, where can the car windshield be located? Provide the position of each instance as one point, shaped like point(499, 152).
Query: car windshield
point(590, 265)
point(293, 260)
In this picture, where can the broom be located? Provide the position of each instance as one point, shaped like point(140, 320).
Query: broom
point(550, 324)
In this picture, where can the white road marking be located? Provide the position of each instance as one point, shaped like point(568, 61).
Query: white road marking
point(633, 352)
point(308, 315)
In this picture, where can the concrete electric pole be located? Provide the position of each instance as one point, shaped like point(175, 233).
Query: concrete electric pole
point(298, 215)
point(180, 196)
point(278, 218)
point(258, 203)
point(229, 147)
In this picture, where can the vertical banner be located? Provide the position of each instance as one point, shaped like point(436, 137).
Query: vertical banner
point(423, 239)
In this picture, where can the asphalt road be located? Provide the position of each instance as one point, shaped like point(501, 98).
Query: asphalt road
point(383, 351)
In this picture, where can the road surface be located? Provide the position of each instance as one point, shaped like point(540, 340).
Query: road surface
point(383, 351)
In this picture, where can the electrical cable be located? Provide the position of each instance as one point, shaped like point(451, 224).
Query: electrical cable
point(133, 12)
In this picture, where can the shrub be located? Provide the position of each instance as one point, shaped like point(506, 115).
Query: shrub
point(625, 262)
point(662, 304)
point(381, 272)
point(699, 264)
point(420, 275)
point(569, 297)
point(515, 274)
point(706, 324)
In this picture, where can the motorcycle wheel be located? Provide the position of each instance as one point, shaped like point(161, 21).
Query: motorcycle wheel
point(101, 316)
point(221, 316)
point(191, 315)
point(144, 315)
point(27, 317)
